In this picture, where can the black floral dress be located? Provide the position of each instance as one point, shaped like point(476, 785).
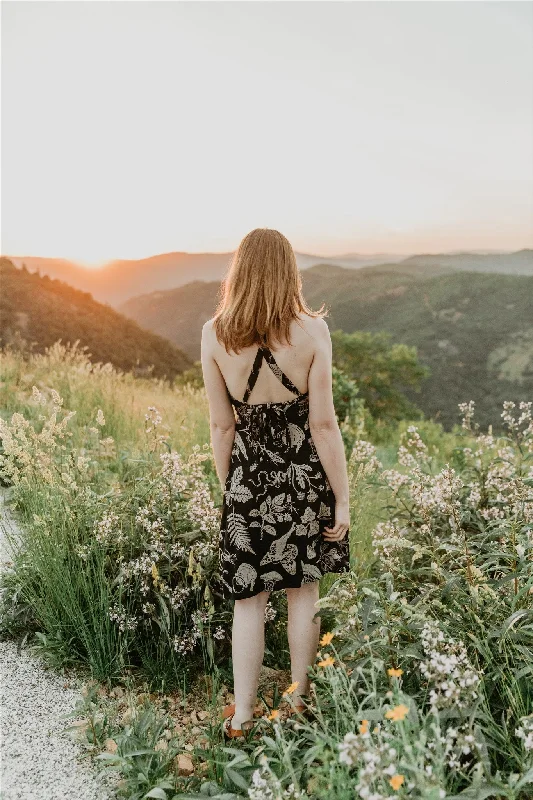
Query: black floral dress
point(277, 498)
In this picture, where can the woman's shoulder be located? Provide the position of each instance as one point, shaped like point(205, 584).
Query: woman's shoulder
point(316, 327)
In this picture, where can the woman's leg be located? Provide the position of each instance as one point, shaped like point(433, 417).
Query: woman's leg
point(248, 649)
point(303, 633)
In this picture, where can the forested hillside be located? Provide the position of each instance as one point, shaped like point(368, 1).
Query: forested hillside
point(36, 311)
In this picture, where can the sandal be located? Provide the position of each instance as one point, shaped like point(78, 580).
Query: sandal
point(227, 729)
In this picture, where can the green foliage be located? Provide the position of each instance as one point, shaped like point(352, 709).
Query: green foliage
point(193, 376)
point(381, 371)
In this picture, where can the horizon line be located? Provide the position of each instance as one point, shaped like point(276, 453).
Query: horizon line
point(353, 254)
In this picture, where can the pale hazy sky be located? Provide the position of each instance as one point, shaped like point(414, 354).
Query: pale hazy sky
point(136, 128)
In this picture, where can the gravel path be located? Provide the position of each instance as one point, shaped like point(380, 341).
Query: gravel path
point(39, 760)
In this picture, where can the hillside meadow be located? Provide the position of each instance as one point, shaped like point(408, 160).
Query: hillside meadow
point(423, 684)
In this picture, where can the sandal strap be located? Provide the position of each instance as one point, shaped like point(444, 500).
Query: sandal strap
point(231, 733)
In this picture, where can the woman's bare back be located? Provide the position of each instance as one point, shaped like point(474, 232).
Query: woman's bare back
point(295, 361)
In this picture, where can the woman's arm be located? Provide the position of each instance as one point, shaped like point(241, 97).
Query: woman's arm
point(325, 430)
point(221, 416)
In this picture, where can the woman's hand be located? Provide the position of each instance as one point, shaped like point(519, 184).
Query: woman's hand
point(342, 523)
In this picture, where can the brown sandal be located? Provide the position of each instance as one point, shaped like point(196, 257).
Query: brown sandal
point(234, 733)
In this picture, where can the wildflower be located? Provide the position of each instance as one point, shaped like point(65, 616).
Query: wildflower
point(327, 662)
point(364, 454)
point(38, 396)
point(453, 680)
point(274, 714)
point(363, 727)
point(394, 673)
point(290, 689)
point(388, 539)
point(525, 732)
point(100, 417)
point(398, 713)
point(155, 573)
point(348, 749)
point(467, 409)
point(326, 639)
point(396, 781)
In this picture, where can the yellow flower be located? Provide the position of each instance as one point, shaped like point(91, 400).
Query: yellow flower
point(398, 713)
point(290, 689)
point(155, 573)
point(328, 661)
point(326, 639)
point(363, 727)
point(396, 781)
point(274, 714)
point(395, 673)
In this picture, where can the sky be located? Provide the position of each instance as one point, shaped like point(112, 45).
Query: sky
point(136, 128)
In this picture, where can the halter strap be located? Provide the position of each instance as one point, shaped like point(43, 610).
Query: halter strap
point(264, 352)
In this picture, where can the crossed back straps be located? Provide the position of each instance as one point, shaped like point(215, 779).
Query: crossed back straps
point(264, 352)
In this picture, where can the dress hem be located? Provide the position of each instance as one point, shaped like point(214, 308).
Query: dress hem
point(295, 585)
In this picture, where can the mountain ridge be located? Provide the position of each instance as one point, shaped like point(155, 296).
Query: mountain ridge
point(121, 280)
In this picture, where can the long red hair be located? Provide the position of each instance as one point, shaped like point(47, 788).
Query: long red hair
point(261, 293)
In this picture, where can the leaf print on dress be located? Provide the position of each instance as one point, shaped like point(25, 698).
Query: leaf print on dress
point(283, 553)
point(236, 490)
point(272, 511)
point(244, 577)
point(270, 579)
point(311, 573)
point(274, 456)
point(309, 525)
point(239, 444)
point(329, 558)
point(299, 474)
point(297, 435)
point(238, 532)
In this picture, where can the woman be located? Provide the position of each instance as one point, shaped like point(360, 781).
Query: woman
point(279, 456)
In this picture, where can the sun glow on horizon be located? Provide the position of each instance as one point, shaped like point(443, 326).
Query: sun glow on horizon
point(347, 126)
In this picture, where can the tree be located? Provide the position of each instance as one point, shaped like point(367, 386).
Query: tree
point(382, 371)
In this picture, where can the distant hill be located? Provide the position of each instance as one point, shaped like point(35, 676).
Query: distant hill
point(41, 311)
point(474, 330)
point(177, 314)
point(519, 263)
point(118, 281)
